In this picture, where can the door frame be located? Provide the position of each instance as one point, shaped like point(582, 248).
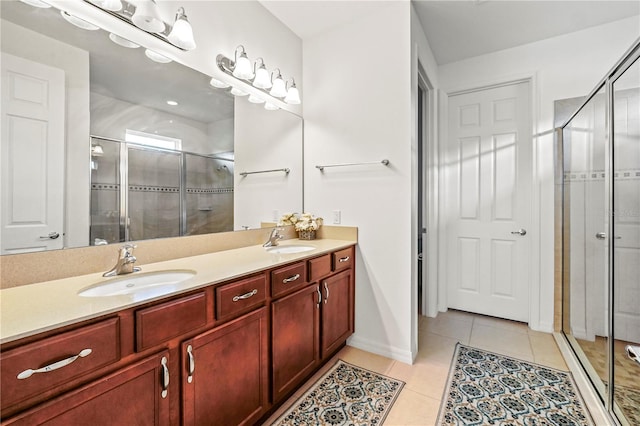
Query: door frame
point(535, 296)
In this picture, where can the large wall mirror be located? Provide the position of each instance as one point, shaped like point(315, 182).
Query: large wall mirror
point(103, 142)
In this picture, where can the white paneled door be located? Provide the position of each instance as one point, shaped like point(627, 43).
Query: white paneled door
point(487, 195)
point(31, 156)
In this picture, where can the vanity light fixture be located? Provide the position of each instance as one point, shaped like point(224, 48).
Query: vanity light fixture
point(147, 16)
point(156, 57)
point(271, 107)
point(255, 99)
point(218, 83)
point(172, 103)
point(237, 92)
point(122, 41)
point(112, 5)
point(279, 89)
point(181, 34)
point(293, 96)
point(242, 66)
point(96, 150)
point(262, 79)
point(80, 23)
point(37, 3)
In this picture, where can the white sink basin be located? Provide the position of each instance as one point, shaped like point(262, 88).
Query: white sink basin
point(289, 249)
point(149, 284)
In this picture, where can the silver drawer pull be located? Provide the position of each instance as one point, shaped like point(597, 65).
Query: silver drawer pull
point(319, 296)
point(59, 364)
point(291, 278)
point(344, 259)
point(165, 377)
point(326, 289)
point(246, 295)
point(192, 363)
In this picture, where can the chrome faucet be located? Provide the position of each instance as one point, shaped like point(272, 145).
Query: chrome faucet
point(125, 262)
point(273, 238)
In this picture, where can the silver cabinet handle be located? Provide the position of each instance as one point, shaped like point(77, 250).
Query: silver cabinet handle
point(291, 278)
point(59, 364)
point(50, 236)
point(246, 295)
point(326, 290)
point(319, 296)
point(165, 377)
point(192, 363)
point(521, 232)
point(344, 259)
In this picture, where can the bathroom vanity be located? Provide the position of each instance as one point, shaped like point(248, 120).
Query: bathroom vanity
point(226, 348)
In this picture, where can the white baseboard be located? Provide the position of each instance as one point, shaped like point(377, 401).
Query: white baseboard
point(591, 399)
point(545, 327)
point(379, 349)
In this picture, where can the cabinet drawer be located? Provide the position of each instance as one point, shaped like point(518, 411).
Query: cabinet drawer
point(287, 279)
point(60, 354)
point(342, 259)
point(241, 296)
point(162, 322)
point(319, 267)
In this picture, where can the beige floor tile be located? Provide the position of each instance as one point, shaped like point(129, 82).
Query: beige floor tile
point(457, 315)
point(412, 408)
point(504, 342)
point(450, 327)
point(425, 378)
point(435, 349)
point(544, 345)
point(504, 324)
point(363, 359)
point(553, 361)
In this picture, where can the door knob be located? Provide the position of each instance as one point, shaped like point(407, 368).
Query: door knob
point(51, 235)
point(521, 232)
point(601, 235)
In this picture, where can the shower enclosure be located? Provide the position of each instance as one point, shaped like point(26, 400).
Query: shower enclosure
point(600, 159)
point(140, 192)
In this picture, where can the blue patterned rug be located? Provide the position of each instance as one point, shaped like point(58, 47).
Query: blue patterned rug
point(344, 395)
point(485, 388)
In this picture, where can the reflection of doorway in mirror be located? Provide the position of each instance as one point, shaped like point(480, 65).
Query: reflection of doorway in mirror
point(32, 153)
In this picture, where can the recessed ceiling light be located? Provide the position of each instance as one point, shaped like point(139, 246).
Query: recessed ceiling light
point(172, 103)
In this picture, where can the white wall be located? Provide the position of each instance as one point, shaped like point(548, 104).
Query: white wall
point(357, 108)
point(28, 44)
point(562, 67)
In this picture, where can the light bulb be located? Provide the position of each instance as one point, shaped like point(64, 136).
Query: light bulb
point(219, 84)
point(255, 99)
point(122, 41)
point(271, 107)
point(293, 96)
point(112, 5)
point(237, 92)
point(262, 80)
point(242, 68)
point(147, 16)
point(80, 23)
point(181, 34)
point(279, 89)
point(156, 57)
point(36, 3)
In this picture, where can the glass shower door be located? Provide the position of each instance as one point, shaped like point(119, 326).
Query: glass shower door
point(626, 223)
point(585, 290)
point(105, 192)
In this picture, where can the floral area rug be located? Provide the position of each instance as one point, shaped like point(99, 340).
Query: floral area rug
point(485, 388)
point(628, 400)
point(344, 395)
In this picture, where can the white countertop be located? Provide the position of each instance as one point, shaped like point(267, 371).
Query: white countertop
point(34, 308)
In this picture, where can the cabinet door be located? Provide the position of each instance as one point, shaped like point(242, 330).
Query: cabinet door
point(337, 309)
point(295, 334)
point(225, 381)
point(134, 395)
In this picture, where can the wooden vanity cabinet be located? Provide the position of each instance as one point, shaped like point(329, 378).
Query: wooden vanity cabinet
point(337, 311)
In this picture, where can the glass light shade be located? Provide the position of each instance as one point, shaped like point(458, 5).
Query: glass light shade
point(112, 5)
point(122, 41)
point(156, 57)
point(80, 23)
point(97, 151)
point(279, 89)
point(147, 16)
point(255, 99)
point(219, 84)
point(237, 92)
point(271, 107)
point(243, 68)
point(293, 96)
point(262, 80)
point(37, 3)
point(181, 34)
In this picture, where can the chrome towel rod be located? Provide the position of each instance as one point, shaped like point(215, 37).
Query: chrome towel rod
point(265, 171)
point(383, 162)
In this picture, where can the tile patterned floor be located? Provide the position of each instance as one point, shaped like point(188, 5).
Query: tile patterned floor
point(419, 401)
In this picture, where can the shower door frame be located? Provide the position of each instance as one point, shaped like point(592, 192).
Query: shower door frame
point(562, 275)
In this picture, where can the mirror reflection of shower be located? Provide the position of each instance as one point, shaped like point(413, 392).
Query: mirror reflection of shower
point(169, 192)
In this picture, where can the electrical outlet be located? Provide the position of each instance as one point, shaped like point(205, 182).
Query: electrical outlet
point(336, 217)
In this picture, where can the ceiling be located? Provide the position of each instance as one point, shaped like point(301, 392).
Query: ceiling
point(458, 30)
